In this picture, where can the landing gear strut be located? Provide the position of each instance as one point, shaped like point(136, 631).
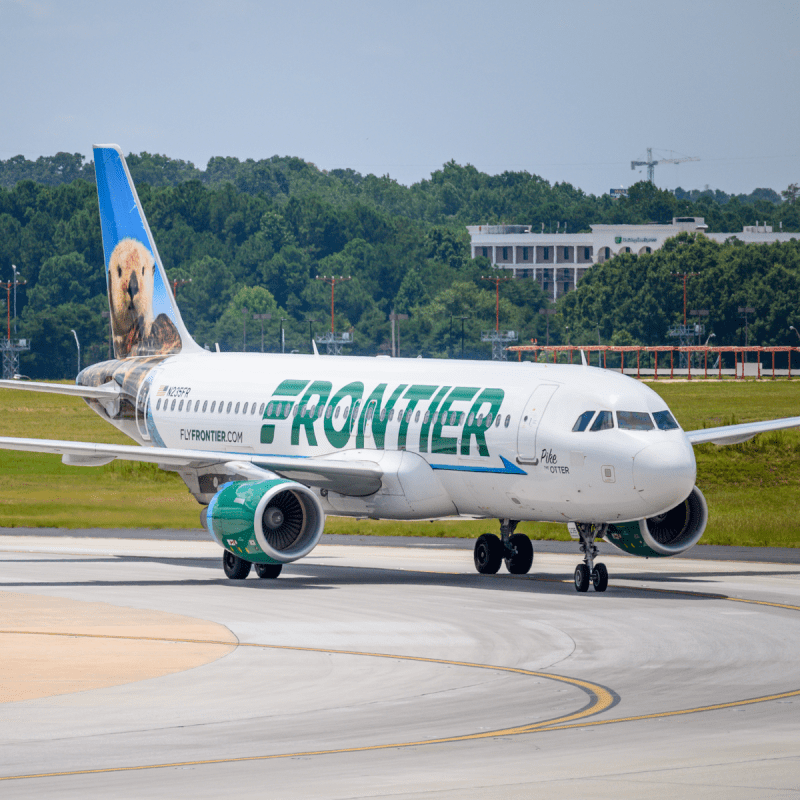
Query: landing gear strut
point(514, 548)
point(588, 572)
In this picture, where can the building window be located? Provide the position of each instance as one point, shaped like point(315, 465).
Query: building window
point(524, 253)
point(546, 286)
point(566, 253)
point(648, 250)
point(608, 252)
point(546, 253)
point(505, 254)
point(586, 255)
point(485, 252)
point(566, 287)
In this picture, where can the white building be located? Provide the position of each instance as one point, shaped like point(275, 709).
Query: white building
point(557, 261)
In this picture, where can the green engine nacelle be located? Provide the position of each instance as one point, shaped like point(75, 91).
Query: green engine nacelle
point(668, 534)
point(266, 522)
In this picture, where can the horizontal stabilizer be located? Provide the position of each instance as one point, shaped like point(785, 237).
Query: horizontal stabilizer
point(106, 392)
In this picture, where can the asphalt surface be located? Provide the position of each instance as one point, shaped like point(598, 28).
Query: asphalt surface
point(775, 555)
point(396, 671)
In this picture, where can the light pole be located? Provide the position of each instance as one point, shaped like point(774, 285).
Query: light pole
point(283, 340)
point(17, 282)
point(496, 280)
point(395, 318)
point(79, 350)
point(743, 312)
point(462, 318)
point(262, 317)
point(548, 312)
point(179, 282)
point(333, 280)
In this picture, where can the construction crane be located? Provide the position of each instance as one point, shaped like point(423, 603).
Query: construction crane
point(651, 164)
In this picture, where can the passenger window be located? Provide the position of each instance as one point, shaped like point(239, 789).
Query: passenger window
point(213, 405)
point(205, 405)
point(180, 406)
point(261, 409)
point(172, 407)
point(336, 413)
point(665, 420)
point(328, 412)
point(269, 409)
point(604, 421)
point(236, 410)
point(370, 413)
point(470, 418)
point(244, 408)
point(508, 420)
point(582, 421)
point(320, 410)
point(391, 414)
point(158, 404)
point(634, 421)
point(295, 409)
point(497, 421)
point(488, 420)
point(408, 416)
point(222, 406)
point(416, 417)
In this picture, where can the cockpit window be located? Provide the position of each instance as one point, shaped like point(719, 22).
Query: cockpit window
point(665, 420)
point(634, 421)
point(582, 421)
point(603, 421)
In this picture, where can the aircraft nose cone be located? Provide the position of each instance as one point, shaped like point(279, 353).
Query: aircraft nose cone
point(664, 474)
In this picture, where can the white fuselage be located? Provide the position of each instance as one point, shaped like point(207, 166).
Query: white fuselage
point(498, 437)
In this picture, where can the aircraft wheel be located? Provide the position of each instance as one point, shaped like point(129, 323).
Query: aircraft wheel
point(520, 562)
point(581, 578)
point(268, 570)
point(600, 577)
point(237, 569)
point(488, 554)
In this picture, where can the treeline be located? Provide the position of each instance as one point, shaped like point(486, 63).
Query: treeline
point(255, 236)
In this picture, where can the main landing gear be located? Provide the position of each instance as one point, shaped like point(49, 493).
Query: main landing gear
point(238, 569)
point(588, 572)
point(515, 548)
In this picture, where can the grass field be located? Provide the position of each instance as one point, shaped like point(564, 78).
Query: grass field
point(753, 489)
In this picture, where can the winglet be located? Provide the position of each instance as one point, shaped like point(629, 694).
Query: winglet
point(144, 318)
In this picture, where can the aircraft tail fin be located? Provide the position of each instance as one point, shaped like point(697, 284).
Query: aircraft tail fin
point(145, 320)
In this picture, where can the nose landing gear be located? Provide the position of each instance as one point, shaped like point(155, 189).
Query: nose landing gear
point(515, 548)
point(588, 572)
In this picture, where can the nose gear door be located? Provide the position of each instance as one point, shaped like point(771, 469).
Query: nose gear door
point(529, 423)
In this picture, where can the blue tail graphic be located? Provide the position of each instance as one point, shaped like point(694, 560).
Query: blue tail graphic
point(144, 318)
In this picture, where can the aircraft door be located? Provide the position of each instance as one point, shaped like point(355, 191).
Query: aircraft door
point(529, 423)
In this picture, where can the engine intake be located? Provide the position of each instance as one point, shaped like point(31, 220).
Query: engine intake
point(667, 534)
point(266, 522)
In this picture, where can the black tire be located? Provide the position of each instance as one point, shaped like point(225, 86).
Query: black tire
point(237, 569)
point(488, 554)
point(520, 562)
point(581, 578)
point(600, 577)
point(268, 570)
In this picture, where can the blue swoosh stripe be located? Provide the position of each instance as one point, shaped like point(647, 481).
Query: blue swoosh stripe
point(507, 469)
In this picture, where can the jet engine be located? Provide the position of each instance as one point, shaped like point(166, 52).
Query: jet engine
point(667, 534)
point(266, 522)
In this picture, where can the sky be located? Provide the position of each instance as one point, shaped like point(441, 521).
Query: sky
point(571, 91)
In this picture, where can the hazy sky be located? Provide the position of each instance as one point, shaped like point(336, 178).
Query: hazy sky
point(571, 91)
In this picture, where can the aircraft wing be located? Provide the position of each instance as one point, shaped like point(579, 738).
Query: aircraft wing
point(109, 391)
point(357, 478)
point(733, 434)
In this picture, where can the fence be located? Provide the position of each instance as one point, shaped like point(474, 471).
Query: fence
point(747, 361)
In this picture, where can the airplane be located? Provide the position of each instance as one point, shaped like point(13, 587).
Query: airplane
point(271, 444)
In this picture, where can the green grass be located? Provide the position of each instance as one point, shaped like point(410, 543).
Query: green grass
point(752, 488)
